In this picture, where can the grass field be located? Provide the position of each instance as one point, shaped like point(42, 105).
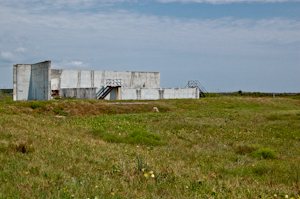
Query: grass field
point(217, 147)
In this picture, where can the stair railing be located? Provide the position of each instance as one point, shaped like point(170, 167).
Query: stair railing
point(196, 84)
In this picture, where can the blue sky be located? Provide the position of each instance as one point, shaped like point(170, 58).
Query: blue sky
point(228, 45)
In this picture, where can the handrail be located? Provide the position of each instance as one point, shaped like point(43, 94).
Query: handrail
point(110, 83)
point(196, 84)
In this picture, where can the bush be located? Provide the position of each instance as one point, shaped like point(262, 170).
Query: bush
point(35, 105)
point(265, 153)
point(141, 137)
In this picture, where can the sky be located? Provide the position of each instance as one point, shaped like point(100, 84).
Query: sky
point(227, 45)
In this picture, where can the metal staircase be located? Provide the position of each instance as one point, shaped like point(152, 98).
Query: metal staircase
point(109, 86)
point(197, 84)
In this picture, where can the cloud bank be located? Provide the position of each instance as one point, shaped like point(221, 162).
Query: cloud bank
point(7, 55)
point(221, 49)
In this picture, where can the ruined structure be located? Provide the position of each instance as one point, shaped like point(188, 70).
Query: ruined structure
point(40, 82)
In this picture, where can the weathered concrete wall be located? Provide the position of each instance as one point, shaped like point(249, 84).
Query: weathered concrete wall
point(55, 79)
point(22, 75)
point(32, 81)
point(35, 82)
point(90, 79)
point(158, 93)
point(79, 93)
point(40, 81)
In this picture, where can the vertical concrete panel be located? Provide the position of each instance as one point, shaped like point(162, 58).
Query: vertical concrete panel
point(92, 79)
point(98, 79)
point(85, 79)
point(103, 78)
point(69, 79)
point(40, 81)
point(126, 75)
point(156, 80)
point(161, 94)
point(22, 75)
point(55, 79)
point(15, 82)
point(78, 79)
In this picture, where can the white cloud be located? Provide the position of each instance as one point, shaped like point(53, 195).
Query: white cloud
point(7, 55)
point(75, 63)
point(125, 31)
point(20, 49)
point(108, 33)
point(69, 64)
point(126, 40)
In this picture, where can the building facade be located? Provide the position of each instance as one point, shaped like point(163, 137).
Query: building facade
point(40, 82)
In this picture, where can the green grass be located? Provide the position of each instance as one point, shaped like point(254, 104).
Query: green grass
point(215, 147)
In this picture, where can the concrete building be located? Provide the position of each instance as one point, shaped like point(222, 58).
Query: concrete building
point(40, 82)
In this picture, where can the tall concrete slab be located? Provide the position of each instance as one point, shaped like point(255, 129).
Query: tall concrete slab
point(22, 80)
point(40, 88)
point(69, 79)
point(55, 79)
point(86, 78)
point(32, 81)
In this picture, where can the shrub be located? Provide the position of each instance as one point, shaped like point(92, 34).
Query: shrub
point(35, 105)
point(141, 137)
point(265, 153)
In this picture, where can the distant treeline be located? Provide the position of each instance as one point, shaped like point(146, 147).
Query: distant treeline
point(252, 94)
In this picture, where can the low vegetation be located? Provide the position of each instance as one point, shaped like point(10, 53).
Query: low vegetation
point(214, 147)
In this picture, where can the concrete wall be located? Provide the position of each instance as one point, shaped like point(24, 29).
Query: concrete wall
point(31, 81)
point(35, 82)
point(79, 93)
point(40, 81)
point(158, 93)
point(22, 75)
point(97, 79)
